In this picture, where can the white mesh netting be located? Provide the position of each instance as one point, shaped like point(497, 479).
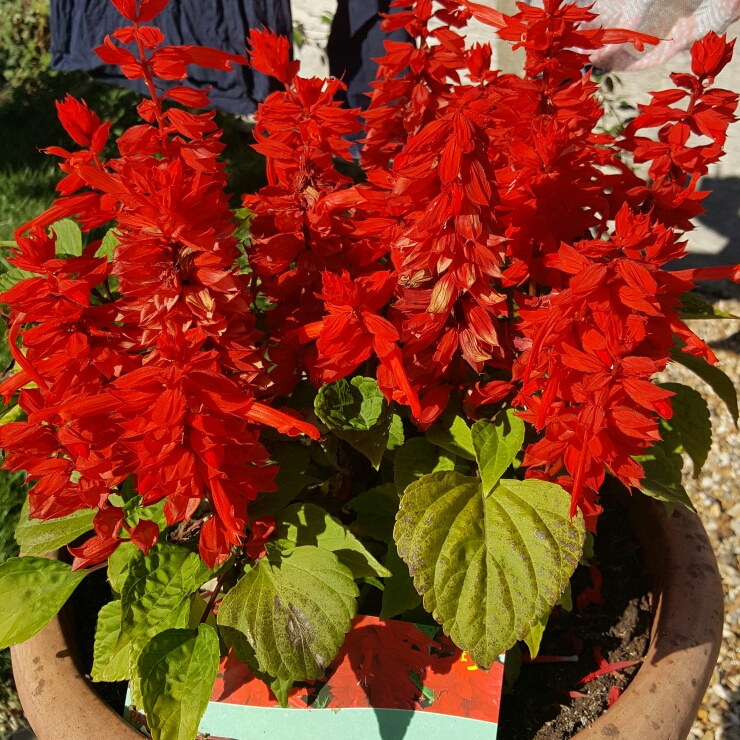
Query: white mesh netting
point(678, 22)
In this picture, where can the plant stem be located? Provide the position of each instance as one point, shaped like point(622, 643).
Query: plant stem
point(214, 595)
point(97, 567)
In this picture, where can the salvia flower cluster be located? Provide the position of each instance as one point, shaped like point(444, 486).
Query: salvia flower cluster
point(481, 313)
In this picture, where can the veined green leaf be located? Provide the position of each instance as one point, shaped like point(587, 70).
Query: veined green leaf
point(107, 665)
point(395, 433)
point(488, 567)
point(12, 277)
point(452, 433)
point(358, 413)
point(691, 425)
point(33, 591)
point(37, 536)
point(376, 511)
point(534, 638)
point(119, 563)
point(416, 457)
point(177, 671)
point(155, 594)
point(496, 445)
point(294, 608)
point(663, 479)
point(69, 237)
point(712, 376)
point(307, 524)
point(399, 594)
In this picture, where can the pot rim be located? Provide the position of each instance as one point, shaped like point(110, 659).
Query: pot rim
point(661, 701)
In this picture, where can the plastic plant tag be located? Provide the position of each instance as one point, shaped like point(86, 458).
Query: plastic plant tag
point(390, 679)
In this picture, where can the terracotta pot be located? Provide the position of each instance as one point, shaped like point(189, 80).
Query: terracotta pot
point(660, 703)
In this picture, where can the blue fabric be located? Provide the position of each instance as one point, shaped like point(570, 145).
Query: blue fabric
point(78, 26)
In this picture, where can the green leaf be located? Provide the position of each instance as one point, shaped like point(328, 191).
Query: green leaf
point(396, 435)
point(358, 413)
point(399, 594)
point(566, 600)
point(69, 237)
point(13, 276)
point(178, 670)
point(33, 591)
point(155, 594)
point(533, 638)
point(294, 609)
point(107, 665)
point(663, 478)
point(119, 563)
point(712, 376)
point(452, 433)
point(281, 687)
point(690, 425)
point(37, 537)
point(309, 525)
point(14, 413)
point(496, 445)
point(416, 457)
point(108, 245)
point(693, 307)
point(488, 566)
point(376, 511)
point(293, 460)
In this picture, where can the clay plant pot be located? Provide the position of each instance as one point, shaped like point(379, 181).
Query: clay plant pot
point(660, 703)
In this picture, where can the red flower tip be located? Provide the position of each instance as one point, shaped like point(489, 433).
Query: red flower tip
point(710, 55)
point(78, 121)
point(259, 536)
point(145, 535)
point(270, 54)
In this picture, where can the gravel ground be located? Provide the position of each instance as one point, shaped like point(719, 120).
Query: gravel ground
point(716, 496)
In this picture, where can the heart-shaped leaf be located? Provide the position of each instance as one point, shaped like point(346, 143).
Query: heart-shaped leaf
point(488, 566)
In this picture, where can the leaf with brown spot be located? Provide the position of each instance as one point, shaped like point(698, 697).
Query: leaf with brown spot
point(293, 608)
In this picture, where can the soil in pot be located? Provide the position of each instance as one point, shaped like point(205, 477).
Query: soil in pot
point(540, 706)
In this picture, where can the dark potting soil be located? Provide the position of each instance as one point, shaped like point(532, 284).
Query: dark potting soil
point(541, 706)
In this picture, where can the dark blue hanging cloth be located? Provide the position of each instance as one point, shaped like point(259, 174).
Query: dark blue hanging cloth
point(78, 26)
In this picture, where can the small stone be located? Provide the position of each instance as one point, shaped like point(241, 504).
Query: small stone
point(715, 717)
point(722, 692)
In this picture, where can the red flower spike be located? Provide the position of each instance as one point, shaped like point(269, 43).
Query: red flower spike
point(710, 55)
point(270, 54)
